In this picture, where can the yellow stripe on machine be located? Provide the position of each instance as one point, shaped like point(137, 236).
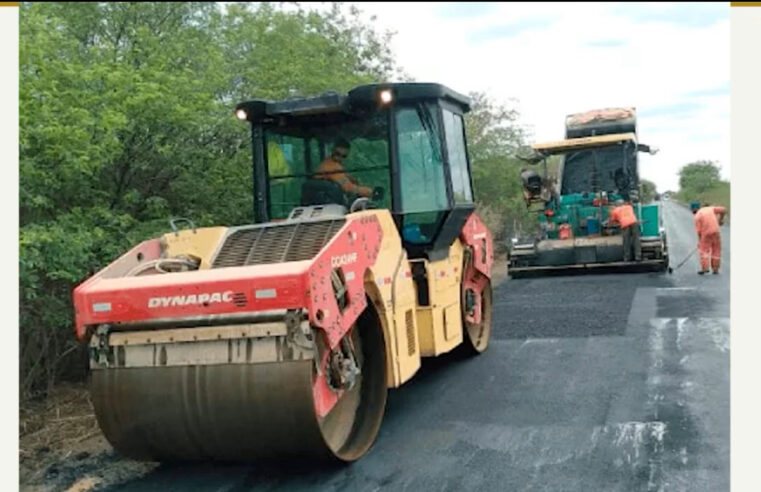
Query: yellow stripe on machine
point(562, 146)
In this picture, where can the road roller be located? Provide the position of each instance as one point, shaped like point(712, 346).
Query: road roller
point(282, 337)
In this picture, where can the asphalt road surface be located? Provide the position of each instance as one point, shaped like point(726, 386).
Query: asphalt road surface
point(613, 382)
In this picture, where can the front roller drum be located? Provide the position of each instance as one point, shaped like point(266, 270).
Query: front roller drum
point(241, 411)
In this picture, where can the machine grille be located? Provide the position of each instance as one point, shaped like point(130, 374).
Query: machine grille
point(276, 243)
point(410, 332)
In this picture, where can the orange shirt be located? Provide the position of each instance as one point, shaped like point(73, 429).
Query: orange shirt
point(329, 165)
point(706, 222)
point(623, 215)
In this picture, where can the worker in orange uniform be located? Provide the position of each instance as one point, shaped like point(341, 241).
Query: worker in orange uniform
point(623, 214)
point(707, 222)
point(334, 165)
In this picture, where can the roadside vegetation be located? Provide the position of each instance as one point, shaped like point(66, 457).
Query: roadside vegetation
point(701, 181)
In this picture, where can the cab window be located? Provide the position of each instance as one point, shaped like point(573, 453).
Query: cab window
point(458, 160)
point(421, 167)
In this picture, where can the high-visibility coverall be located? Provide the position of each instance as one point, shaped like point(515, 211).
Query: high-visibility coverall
point(624, 216)
point(709, 239)
point(277, 164)
point(349, 184)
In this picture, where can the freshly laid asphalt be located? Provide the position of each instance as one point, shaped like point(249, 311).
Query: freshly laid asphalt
point(613, 382)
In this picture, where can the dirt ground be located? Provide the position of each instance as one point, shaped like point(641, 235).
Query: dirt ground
point(61, 447)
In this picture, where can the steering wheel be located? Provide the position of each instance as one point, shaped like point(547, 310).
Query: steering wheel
point(361, 203)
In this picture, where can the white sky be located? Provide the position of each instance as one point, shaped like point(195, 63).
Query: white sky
point(670, 61)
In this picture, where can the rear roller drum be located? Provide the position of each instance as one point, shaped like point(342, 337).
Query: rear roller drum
point(477, 335)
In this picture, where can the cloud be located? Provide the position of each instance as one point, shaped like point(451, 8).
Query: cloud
point(705, 137)
point(694, 15)
point(675, 75)
point(461, 10)
point(675, 110)
point(504, 31)
point(722, 90)
point(607, 43)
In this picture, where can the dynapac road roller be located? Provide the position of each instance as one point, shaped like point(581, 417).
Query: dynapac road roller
point(281, 338)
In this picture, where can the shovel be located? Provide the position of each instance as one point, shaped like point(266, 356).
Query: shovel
point(671, 270)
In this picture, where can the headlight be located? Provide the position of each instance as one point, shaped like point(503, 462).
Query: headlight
point(241, 114)
point(386, 96)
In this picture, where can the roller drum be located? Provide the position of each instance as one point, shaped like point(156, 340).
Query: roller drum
point(241, 411)
point(227, 412)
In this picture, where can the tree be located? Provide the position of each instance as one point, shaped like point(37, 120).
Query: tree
point(648, 191)
point(492, 128)
point(700, 181)
point(494, 136)
point(126, 120)
point(698, 177)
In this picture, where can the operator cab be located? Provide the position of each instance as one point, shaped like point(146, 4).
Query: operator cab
point(406, 138)
point(594, 164)
point(606, 163)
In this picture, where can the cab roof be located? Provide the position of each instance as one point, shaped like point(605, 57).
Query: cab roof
point(360, 97)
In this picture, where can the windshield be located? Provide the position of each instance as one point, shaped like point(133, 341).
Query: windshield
point(341, 159)
point(611, 168)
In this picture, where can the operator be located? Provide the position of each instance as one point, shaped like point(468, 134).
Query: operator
point(333, 165)
point(709, 238)
point(623, 214)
